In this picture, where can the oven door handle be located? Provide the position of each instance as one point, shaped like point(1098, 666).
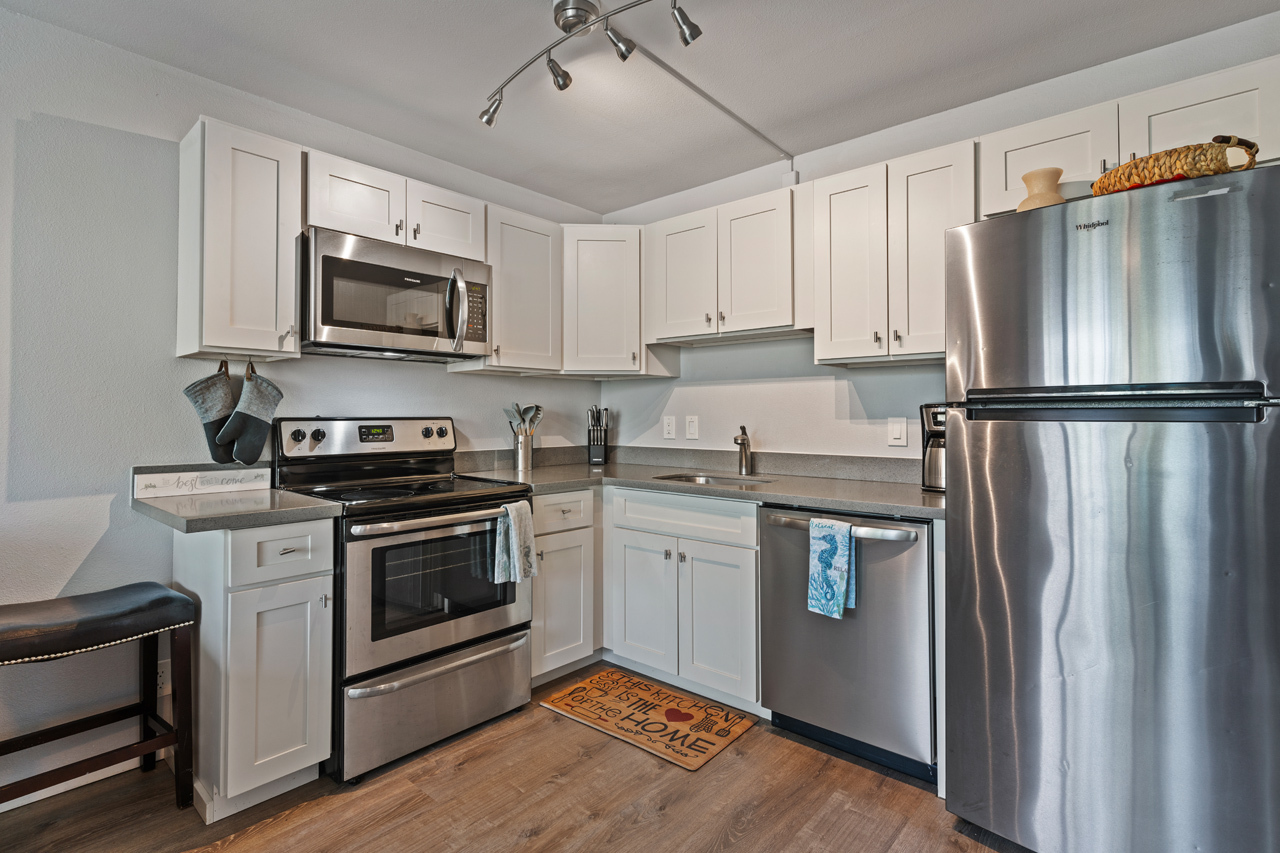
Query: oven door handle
point(424, 523)
point(437, 672)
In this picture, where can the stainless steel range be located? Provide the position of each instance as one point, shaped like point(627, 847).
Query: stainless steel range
point(426, 643)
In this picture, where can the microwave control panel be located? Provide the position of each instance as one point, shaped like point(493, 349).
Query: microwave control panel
point(477, 314)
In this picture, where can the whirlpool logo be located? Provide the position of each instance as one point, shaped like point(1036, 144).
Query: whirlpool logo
point(1090, 226)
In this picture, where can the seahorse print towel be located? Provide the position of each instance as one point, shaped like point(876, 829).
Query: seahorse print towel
point(831, 581)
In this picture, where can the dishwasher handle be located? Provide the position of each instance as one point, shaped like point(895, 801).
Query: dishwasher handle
point(886, 534)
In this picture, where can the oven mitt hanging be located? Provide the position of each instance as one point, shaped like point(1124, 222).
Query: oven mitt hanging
point(214, 403)
point(250, 424)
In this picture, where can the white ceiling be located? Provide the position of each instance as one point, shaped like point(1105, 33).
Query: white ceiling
point(808, 73)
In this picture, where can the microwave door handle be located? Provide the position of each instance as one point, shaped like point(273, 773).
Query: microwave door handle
point(464, 315)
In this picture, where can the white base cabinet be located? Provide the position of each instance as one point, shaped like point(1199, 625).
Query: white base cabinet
point(264, 663)
point(238, 223)
point(682, 605)
point(564, 590)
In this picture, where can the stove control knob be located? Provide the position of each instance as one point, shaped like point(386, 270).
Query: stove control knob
point(317, 435)
point(426, 432)
point(442, 431)
point(298, 435)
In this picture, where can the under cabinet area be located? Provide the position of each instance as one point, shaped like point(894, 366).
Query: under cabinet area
point(684, 587)
point(346, 196)
point(563, 629)
point(264, 668)
point(238, 223)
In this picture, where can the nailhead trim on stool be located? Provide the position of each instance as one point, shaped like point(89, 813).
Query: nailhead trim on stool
point(94, 648)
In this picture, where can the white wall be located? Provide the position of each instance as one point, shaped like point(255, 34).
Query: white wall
point(1235, 45)
point(787, 403)
point(89, 384)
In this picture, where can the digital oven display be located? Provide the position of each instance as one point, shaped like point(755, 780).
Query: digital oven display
point(380, 432)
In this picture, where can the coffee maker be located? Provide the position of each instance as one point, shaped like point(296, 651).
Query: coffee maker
point(933, 422)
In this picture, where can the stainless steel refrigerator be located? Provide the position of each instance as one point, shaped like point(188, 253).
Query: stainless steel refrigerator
point(1113, 521)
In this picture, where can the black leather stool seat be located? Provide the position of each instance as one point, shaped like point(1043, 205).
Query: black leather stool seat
point(43, 630)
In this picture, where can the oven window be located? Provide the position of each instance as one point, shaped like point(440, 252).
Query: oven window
point(420, 584)
point(357, 295)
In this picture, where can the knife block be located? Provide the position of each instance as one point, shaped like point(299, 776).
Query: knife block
point(597, 446)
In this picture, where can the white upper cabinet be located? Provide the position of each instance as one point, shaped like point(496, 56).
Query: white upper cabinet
point(346, 196)
point(680, 276)
point(238, 223)
point(602, 298)
point(851, 265)
point(1242, 101)
point(444, 221)
point(527, 321)
point(1076, 142)
point(755, 262)
point(929, 192)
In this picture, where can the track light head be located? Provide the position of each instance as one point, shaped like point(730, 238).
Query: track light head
point(559, 76)
point(490, 113)
point(623, 45)
point(689, 31)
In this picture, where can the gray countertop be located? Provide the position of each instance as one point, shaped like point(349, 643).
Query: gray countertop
point(235, 510)
point(861, 496)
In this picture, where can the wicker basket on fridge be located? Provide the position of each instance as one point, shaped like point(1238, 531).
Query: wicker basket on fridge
point(1176, 164)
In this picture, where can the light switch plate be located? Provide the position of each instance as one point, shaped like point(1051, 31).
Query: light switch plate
point(691, 426)
point(669, 426)
point(897, 432)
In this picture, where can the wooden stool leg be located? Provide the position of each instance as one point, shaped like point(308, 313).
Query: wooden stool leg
point(148, 690)
point(180, 662)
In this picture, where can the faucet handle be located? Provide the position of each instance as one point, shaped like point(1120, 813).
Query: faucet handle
point(742, 439)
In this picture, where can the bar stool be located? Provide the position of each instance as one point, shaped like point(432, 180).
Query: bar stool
point(44, 630)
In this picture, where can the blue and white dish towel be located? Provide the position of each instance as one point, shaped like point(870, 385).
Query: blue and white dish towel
point(832, 560)
point(514, 561)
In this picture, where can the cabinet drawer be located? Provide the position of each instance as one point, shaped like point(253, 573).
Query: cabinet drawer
point(268, 554)
point(708, 519)
point(568, 511)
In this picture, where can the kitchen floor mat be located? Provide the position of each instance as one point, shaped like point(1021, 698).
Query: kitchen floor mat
point(685, 730)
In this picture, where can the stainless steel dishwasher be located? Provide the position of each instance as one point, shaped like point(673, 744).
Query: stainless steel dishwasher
point(864, 683)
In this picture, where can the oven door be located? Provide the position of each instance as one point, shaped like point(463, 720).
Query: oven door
point(419, 586)
point(369, 294)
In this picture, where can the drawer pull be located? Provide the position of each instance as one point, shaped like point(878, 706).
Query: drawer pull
point(565, 511)
point(284, 551)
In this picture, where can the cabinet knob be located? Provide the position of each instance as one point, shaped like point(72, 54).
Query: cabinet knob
point(399, 227)
point(497, 350)
point(897, 337)
point(721, 316)
point(324, 601)
point(1133, 156)
point(1104, 165)
point(566, 511)
point(633, 358)
point(417, 229)
point(666, 555)
point(708, 319)
point(875, 338)
point(682, 556)
point(540, 555)
point(284, 551)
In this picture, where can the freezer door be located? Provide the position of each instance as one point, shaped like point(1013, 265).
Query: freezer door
point(867, 676)
point(1177, 283)
point(1113, 633)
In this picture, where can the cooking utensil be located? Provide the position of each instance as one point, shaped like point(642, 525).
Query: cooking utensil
point(537, 418)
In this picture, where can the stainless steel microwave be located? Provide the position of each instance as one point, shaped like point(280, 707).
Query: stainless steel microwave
point(368, 298)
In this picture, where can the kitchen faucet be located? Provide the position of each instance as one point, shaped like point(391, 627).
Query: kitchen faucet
point(744, 451)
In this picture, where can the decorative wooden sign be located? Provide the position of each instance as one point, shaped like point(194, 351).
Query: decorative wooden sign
point(686, 730)
point(200, 482)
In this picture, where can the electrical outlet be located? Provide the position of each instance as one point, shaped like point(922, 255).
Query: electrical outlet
point(691, 426)
point(897, 432)
point(164, 680)
point(669, 426)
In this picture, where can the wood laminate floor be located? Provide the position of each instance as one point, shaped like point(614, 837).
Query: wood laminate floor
point(534, 780)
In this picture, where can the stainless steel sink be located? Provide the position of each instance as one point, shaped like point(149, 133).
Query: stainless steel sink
point(703, 479)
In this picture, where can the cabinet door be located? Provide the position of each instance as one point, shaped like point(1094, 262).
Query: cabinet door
point(1243, 101)
point(354, 198)
point(279, 674)
point(929, 192)
point(850, 265)
point(680, 276)
point(602, 297)
point(1076, 142)
point(527, 255)
point(718, 617)
point(563, 599)
point(252, 188)
point(645, 599)
point(443, 221)
point(755, 262)
point(802, 254)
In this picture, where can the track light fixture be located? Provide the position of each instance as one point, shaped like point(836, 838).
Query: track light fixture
point(579, 17)
point(689, 31)
point(621, 43)
point(490, 113)
point(559, 76)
